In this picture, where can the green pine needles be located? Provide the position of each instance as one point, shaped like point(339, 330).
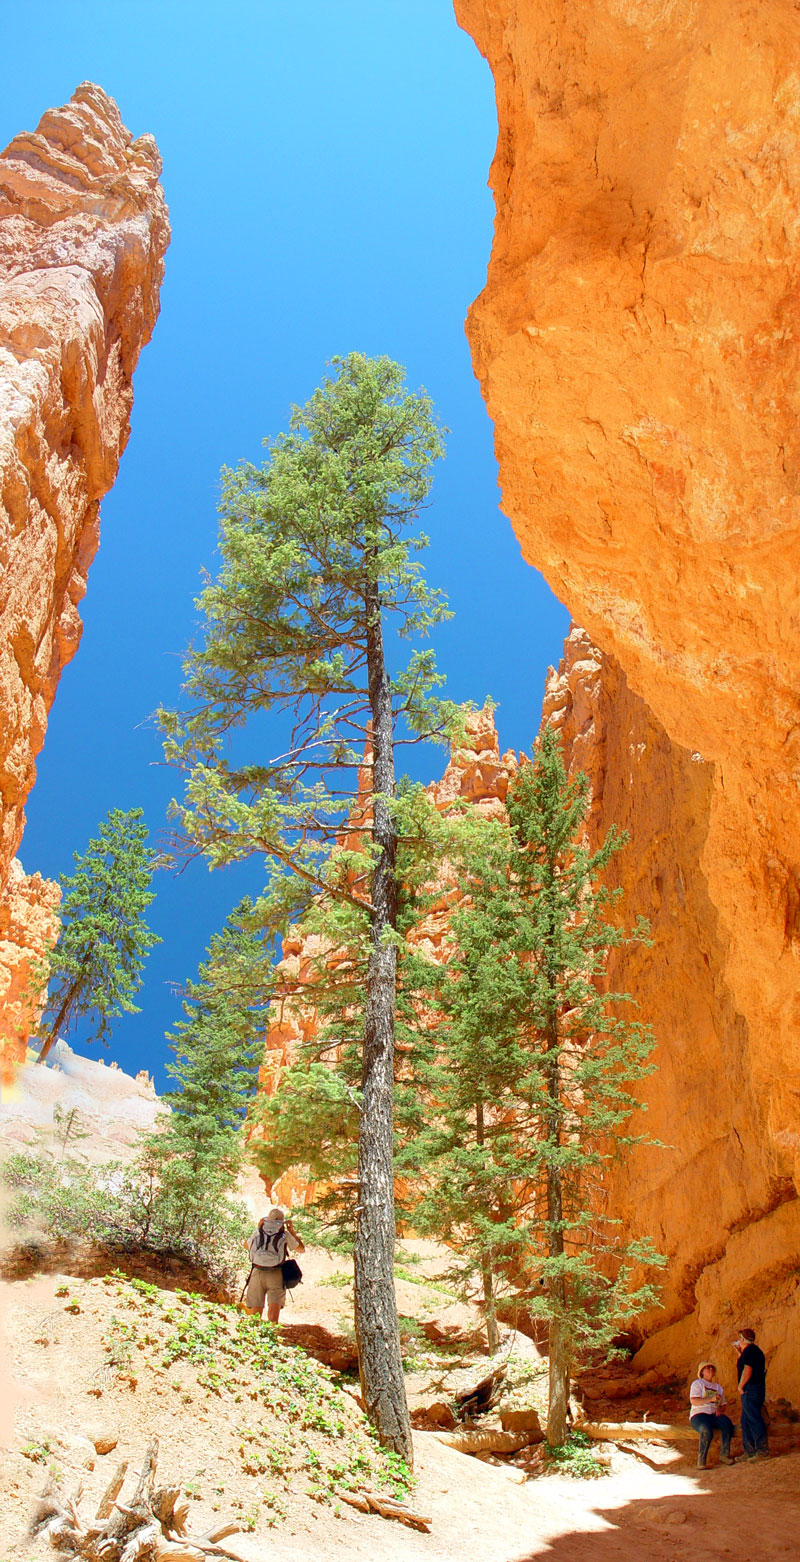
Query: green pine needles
point(217, 1048)
point(96, 967)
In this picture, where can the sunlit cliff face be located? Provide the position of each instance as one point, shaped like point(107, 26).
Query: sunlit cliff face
point(637, 346)
point(83, 231)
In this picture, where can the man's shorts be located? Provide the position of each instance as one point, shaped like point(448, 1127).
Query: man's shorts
point(265, 1285)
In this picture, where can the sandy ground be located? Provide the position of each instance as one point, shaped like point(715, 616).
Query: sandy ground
point(491, 1513)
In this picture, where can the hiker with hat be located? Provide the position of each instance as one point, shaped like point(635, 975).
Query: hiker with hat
point(752, 1375)
point(707, 1414)
point(270, 1246)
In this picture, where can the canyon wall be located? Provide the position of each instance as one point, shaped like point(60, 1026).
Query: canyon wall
point(637, 346)
point(83, 232)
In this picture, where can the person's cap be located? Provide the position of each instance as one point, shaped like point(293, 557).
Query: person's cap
point(747, 1334)
point(702, 1367)
point(276, 1214)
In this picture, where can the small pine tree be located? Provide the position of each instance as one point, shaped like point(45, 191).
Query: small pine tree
point(530, 1089)
point(217, 1047)
point(96, 967)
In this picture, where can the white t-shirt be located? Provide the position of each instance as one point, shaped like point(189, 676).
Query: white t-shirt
point(712, 1394)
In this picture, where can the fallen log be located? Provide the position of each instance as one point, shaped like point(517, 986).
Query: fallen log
point(623, 1431)
point(491, 1441)
point(478, 1401)
point(386, 1508)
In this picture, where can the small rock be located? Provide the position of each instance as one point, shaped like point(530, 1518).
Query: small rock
point(520, 1421)
point(103, 1439)
point(438, 1415)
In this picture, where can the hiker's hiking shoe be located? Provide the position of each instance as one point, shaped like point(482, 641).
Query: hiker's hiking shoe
point(761, 1453)
point(726, 1459)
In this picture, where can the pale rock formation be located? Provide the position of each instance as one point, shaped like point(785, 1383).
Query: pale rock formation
point(28, 929)
point(83, 232)
point(111, 1108)
point(637, 345)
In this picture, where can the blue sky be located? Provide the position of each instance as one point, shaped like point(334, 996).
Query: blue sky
point(325, 165)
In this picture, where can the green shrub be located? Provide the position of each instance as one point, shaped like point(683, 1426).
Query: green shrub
point(151, 1206)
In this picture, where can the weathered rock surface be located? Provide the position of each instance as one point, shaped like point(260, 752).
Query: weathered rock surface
point(28, 929)
point(83, 232)
point(637, 345)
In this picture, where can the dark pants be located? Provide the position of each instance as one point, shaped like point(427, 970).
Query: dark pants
point(754, 1432)
point(706, 1426)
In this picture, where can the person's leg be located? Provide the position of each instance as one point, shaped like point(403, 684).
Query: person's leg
point(760, 1428)
point(754, 1432)
point(276, 1296)
point(726, 1430)
point(704, 1427)
point(254, 1294)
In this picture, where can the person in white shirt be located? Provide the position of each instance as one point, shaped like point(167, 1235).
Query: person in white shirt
point(707, 1414)
point(270, 1245)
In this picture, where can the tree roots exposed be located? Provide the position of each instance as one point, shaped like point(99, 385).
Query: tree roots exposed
point(150, 1528)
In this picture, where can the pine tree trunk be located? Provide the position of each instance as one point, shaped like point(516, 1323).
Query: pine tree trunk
point(52, 1034)
point(558, 1355)
point(558, 1388)
point(377, 1331)
point(487, 1279)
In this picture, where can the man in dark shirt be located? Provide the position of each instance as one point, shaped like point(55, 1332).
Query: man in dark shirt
point(752, 1373)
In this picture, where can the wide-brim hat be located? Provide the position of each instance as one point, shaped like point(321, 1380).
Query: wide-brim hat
point(702, 1367)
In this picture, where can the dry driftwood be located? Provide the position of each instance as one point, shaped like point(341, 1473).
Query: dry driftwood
point(150, 1528)
point(374, 1502)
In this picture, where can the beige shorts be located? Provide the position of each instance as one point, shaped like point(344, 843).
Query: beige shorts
point(265, 1285)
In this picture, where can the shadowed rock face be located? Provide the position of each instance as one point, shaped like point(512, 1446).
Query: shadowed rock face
point(637, 345)
point(83, 232)
point(711, 1195)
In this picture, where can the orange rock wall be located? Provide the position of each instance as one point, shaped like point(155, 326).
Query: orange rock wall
point(28, 929)
point(637, 346)
point(715, 1200)
point(83, 232)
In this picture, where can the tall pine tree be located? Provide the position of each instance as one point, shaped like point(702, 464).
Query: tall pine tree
point(318, 568)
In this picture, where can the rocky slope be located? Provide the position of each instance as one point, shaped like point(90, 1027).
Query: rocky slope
point(83, 232)
point(637, 345)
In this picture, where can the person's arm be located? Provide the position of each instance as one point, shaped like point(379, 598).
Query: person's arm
point(745, 1377)
point(299, 1244)
point(697, 1393)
